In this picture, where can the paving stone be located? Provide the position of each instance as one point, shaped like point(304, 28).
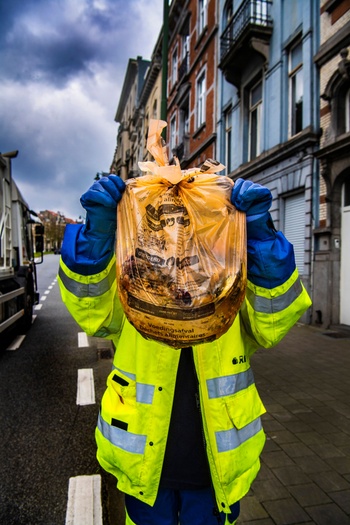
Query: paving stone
point(310, 438)
point(283, 436)
point(300, 408)
point(309, 494)
point(339, 438)
point(322, 427)
point(345, 450)
point(272, 425)
point(313, 403)
point(270, 489)
point(340, 464)
point(297, 450)
point(277, 459)
point(297, 426)
point(330, 481)
point(291, 475)
point(342, 498)
point(286, 512)
point(264, 472)
point(267, 521)
point(311, 464)
point(326, 450)
point(329, 514)
point(251, 509)
point(271, 446)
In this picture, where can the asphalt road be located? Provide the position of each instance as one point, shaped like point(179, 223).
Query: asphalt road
point(46, 438)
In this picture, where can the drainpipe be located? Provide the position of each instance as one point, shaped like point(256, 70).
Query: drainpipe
point(163, 107)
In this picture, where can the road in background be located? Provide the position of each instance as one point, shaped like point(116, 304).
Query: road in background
point(46, 438)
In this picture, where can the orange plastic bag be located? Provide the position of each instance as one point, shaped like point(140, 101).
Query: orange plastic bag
point(181, 253)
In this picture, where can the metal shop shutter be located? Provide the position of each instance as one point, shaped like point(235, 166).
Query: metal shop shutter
point(294, 226)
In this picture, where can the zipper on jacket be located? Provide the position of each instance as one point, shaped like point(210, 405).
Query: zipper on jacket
point(216, 511)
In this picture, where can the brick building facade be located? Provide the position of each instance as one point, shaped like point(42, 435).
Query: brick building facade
point(332, 196)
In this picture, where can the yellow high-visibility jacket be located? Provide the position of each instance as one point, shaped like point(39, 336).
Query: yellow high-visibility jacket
point(136, 408)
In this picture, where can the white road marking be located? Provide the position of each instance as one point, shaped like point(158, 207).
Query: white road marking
point(50, 288)
point(83, 340)
point(38, 307)
point(86, 387)
point(43, 298)
point(33, 318)
point(84, 501)
point(16, 343)
point(47, 292)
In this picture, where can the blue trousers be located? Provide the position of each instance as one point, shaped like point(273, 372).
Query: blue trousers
point(174, 507)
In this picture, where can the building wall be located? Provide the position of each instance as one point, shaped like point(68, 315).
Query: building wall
point(129, 149)
point(285, 162)
point(334, 163)
point(199, 142)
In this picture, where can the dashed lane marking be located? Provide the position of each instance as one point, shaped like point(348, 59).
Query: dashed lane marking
point(43, 298)
point(38, 307)
point(16, 343)
point(84, 501)
point(86, 387)
point(83, 340)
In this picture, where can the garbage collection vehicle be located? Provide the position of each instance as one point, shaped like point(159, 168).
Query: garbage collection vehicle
point(21, 249)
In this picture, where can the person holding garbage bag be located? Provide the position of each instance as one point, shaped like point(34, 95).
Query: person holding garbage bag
point(179, 427)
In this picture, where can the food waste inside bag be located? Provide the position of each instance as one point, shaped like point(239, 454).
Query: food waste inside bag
point(181, 250)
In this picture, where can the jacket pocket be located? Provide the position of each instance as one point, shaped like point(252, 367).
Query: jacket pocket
point(244, 407)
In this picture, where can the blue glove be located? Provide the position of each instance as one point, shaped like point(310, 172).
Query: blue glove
point(255, 200)
point(100, 202)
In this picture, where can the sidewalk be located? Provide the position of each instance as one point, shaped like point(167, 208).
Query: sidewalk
point(304, 383)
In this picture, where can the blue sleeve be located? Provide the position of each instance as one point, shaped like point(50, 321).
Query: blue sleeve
point(86, 254)
point(270, 256)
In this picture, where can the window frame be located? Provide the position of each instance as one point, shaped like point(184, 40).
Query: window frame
point(172, 134)
point(228, 139)
point(202, 15)
point(201, 98)
point(295, 75)
point(255, 108)
point(174, 66)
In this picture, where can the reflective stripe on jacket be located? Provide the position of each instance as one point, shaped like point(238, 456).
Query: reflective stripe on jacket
point(136, 408)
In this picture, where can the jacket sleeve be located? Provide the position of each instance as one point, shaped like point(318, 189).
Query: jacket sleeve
point(275, 296)
point(87, 280)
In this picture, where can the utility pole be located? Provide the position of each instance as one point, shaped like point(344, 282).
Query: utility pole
point(163, 107)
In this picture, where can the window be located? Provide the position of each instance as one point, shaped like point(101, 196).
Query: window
point(185, 45)
point(172, 141)
point(174, 67)
point(184, 119)
point(202, 15)
point(294, 226)
point(200, 105)
point(228, 137)
point(228, 12)
point(295, 89)
point(346, 193)
point(259, 12)
point(154, 109)
point(255, 106)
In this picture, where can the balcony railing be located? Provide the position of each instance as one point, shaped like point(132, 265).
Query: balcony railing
point(250, 13)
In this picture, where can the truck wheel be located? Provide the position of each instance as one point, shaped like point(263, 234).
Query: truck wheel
point(26, 321)
point(27, 303)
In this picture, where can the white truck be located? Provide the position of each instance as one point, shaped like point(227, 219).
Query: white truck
point(21, 237)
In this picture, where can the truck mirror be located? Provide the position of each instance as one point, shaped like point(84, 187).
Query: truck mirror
point(39, 238)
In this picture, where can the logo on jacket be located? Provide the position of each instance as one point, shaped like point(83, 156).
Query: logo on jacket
point(238, 361)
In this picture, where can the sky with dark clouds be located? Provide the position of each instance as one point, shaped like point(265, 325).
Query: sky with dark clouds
point(62, 68)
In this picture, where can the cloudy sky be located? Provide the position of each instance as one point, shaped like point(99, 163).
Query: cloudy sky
point(63, 64)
